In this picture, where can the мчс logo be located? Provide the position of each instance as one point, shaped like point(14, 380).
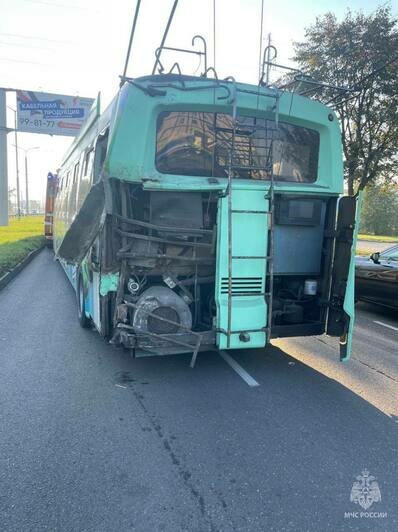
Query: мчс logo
point(365, 490)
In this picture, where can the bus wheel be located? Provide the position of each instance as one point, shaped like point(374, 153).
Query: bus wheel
point(83, 320)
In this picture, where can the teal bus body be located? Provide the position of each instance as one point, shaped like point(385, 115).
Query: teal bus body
point(120, 203)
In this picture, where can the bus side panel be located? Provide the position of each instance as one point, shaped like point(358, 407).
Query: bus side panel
point(249, 238)
point(91, 288)
point(71, 272)
point(95, 300)
point(91, 280)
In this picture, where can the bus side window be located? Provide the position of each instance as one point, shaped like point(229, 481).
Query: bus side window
point(76, 172)
point(101, 147)
point(88, 164)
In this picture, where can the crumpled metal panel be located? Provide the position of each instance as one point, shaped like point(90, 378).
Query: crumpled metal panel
point(85, 226)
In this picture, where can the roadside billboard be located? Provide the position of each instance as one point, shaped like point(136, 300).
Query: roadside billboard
point(51, 114)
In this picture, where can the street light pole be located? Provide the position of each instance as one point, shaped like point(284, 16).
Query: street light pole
point(26, 183)
point(16, 161)
point(3, 160)
point(16, 165)
point(26, 150)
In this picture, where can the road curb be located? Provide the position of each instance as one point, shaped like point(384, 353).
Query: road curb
point(10, 275)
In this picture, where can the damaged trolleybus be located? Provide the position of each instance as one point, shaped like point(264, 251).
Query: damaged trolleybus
point(200, 214)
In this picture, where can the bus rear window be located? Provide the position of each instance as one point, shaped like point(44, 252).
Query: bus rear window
point(199, 144)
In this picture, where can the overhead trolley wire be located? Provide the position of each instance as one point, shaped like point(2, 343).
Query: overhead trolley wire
point(214, 34)
point(214, 55)
point(261, 41)
point(357, 87)
point(260, 65)
point(377, 70)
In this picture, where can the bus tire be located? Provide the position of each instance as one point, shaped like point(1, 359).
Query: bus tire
point(83, 320)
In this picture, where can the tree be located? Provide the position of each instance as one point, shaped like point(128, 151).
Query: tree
point(11, 197)
point(380, 208)
point(360, 52)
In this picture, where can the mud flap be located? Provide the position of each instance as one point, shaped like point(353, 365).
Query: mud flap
point(340, 320)
point(84, 227)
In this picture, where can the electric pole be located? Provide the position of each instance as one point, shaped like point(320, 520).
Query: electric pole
point(3, 161)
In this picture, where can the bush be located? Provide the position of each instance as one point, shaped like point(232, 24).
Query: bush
point(18, 239)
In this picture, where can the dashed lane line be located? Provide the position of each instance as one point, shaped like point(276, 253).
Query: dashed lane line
point(239, 370)
point(386, 325)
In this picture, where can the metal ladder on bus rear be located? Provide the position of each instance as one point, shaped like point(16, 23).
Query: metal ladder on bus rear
point(269, 258)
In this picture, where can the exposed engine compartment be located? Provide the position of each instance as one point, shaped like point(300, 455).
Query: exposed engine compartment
point(165, 242)
point(304, 235)
point(164, 246)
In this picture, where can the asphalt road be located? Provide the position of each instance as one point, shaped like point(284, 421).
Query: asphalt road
point(369, 245)
point(92, 440)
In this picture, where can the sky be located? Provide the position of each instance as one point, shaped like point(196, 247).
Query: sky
point(78, 47)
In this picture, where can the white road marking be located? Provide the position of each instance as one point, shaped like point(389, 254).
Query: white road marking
point(239, 370)
point(120, 386)
point(386, 325)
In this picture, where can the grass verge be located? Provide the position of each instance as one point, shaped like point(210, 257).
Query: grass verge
point(364, 252)
point(378, 238)
point(18, 239)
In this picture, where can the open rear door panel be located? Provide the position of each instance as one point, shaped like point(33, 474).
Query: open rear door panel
point(82, 231)
point(340, 320)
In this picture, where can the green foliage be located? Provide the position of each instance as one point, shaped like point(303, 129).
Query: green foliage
point(379, 214)
point(377, 238)
point(360, 52)
point(22, 228)
point(12, 253)
point(364, 252)
point(18, 239)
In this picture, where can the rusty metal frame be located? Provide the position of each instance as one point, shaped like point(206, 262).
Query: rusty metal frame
point(194, 348)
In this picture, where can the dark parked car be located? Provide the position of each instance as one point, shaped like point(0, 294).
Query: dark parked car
point(376, 278)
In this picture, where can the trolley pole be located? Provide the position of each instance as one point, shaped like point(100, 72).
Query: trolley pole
point(3, 161)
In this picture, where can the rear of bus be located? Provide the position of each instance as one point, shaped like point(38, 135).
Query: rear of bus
point(224, 223)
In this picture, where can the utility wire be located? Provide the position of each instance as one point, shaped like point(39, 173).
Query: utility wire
point(260, 66)
point(261, 41)
point(358, 85)
point(376, 70)
point(214, 57)
point(214, 34)
point(31, 37)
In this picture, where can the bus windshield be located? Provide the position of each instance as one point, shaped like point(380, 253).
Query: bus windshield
point(199, 144)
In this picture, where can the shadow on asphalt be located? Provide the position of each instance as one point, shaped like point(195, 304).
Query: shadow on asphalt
point(377, 310)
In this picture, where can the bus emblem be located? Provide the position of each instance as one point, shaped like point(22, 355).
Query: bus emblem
point(365, 490)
